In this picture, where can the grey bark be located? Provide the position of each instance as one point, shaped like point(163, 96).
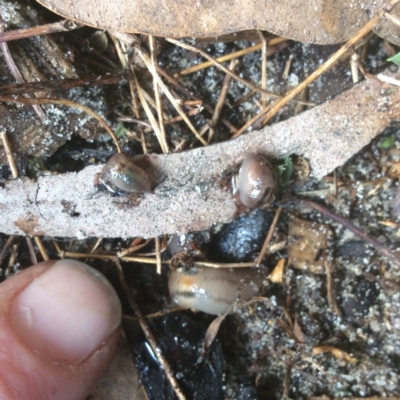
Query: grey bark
point(191, 191)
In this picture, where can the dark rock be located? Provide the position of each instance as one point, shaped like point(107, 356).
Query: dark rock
point(240, 239)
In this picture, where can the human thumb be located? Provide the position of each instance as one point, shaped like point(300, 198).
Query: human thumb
point(59, 327)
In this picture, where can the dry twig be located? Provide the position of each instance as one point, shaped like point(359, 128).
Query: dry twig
point(173, 101)
point(272, 111)
point(17, 74)
point(221, 100)
point(9, 154)
point(232, 74)
point(379, 247)
point(149, 335)
point(42, 249)
point(31, 250)
point(231, 56)
point(61, 26)
point(61, 84)
point(5, 248)
point(188, 93)
point(157, 95)
point(188, 191)
point(264, 53)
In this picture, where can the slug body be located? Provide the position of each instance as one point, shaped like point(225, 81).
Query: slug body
point(256, 181)
point(121, 175)
point(214, 290)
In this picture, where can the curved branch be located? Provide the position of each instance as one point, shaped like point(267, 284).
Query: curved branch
point(191, 194)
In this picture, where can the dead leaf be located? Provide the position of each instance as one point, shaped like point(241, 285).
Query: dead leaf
point(396, 204)
point(298, 333)
point(212, 332)
point(308, 243)
point(320, 21)
point(301, 169)
point(339, 354)
point(121, 379)
point(394, 171)
point(276, 275)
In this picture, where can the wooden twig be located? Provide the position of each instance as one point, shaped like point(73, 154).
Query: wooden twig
point(158, 255)
point(177, 107)
point(5, 248)
point(95, 247)
point(268, 113)
point(134, 248)
point(188, 93)
point(269, 235)
point(392, 18)
point(143, 260)
point(134, 121)
point(288, 65)
point(366, 74)
point(287, 382)
point(330, 287)
point(42, 249)
point(379, 247)
point(244, 98)
point(209, 264)
point(354, 68)
point(71, 254)
point(178, 118)
point(17, 74)
point(12, 260)
point(115, 38)
point(149, 335)
point(57, 246)
point(61, 26)
point(221, 99)
point(62, 84)
point(31, 250)
point(157, 97)
point(231, 56)
point(150, 116)
point(335, 184)
point(264, 48)
point(388, 79)
point(195, 197)
point(191, 103)
point(144, 97)
point(323, 68)
point(9, 154)
point(232, 74)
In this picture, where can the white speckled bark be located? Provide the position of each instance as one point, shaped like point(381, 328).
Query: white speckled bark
point(189, 195)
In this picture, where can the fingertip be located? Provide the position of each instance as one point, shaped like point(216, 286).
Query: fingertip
point(66, 313)
point(59, 327)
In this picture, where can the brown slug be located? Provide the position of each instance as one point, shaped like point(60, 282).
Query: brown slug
point(256, 181)
point(214, 290)
point(121, 175)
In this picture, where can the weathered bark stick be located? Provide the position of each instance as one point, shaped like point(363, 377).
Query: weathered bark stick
point(61, 84)
point(189, 195)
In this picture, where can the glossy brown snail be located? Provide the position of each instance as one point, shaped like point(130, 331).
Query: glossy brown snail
point(121, 175)
point(214, 290)
point(256, 180)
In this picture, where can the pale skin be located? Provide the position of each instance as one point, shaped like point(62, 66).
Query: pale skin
point(39, 361)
